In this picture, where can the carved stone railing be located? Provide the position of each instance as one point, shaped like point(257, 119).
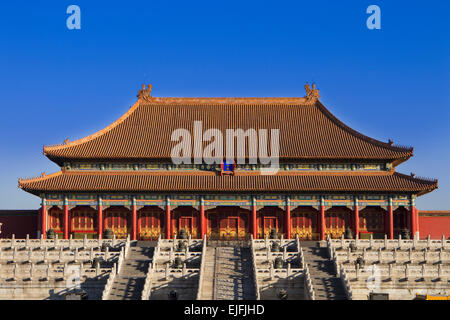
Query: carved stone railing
point(109, 283)
point(49, 271)
point(309, 288)
point(202, 269)
point(254, 270)
point(60, 255)
point(148, 282)
point(387, 244)
point(346, 283)
point(120, 260)
point(58, 243)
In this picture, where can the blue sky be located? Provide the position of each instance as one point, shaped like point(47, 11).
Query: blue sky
point(57, 83)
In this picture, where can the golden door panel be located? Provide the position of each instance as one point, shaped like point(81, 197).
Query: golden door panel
point(336, 220)
point(229, 227)
point(56, 219)
point(83, 220)
point(119, 221)
point(149, 223)
point(186, 218)
point(227, 223)
point(269, 218)
point(304, 223)
point(266, 225)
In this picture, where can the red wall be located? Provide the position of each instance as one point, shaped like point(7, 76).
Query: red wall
point(434, 223)
point(19, 222)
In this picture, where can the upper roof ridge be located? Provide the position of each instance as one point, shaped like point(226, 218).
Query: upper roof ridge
point(68, 143)
point(146, 125)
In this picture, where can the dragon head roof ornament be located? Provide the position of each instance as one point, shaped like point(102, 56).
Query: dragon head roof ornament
point(145, 93)
point(312, 94)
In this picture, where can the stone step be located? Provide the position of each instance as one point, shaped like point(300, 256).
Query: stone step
point(128, 285)
point(323, 276)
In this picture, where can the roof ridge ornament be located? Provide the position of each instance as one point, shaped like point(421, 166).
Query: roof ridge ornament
point(145, 93)
point(312, 94)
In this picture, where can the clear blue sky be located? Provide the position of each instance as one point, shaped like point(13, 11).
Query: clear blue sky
point(57, 83)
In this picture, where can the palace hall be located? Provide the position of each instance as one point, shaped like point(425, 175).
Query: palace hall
point(331, 178)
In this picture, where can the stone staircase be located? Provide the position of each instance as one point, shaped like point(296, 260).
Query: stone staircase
point(207, 289)
point(129, 282)
point(327, 286)
point(232, 279)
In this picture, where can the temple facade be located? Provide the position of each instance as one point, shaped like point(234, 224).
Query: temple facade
point(330, 177)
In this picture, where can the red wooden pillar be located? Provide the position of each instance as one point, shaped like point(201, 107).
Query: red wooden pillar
point(66, 219)
point(322, 219)
point(391, 221)
point(356, 220)
point(100, 218)
point(412, 216)
point(202, 218)
point(288, 218)
point(44, 219)
point(39, 226)
point(134, 220)
point(168, 221)
point(254, 224)
point(413, 221)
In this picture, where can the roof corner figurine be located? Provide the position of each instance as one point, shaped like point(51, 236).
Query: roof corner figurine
point(145, 93)
point(311, 94)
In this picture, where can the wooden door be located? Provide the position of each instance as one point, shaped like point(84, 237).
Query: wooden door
point(336, 220)
point(269, 224)
point(119, 221)
point(304, 223)
point(229, 227)
point(212, 231)
point(186, 224)
point(150, 223)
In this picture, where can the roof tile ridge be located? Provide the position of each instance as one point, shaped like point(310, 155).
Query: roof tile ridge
point(90, 137)
point(358, 134)
point(229, 100)
point(42, 177)
point(425, 180)
point(135, 173)
point(336, 173)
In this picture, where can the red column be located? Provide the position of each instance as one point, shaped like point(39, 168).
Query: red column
point(254, 225)
point(288, 221)
point(100, 220)
point(44, 220)
point(322, 221)
point(168, 222)
point(391, 222)
point(202, 219)
point(413, 221)
point(39, 226)
point(134, 221)
point(416, 216)
point(356, 222)
point(66, 221)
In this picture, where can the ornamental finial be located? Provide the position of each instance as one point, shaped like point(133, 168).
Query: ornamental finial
point(311, 94)
point(145, 93)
